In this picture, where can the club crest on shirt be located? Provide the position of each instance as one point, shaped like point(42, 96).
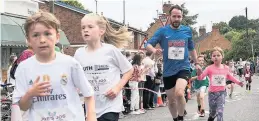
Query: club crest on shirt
point(63, 80)
point(30, 82)
point(46, 78)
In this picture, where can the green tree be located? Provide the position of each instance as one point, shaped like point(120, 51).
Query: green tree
point(238, 22)
point(223, 27)
point(189, 20)
point(233, 35)
point(241, 48)
point(253, 24)
point(74, 3)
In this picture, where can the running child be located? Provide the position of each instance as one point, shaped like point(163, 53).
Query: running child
point(103, 63)
point(230, 84)
point(46, 83)
point(248, 76)
point(218, 74)
point(201, 87)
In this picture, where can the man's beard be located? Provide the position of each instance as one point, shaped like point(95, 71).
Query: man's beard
point(176, 24)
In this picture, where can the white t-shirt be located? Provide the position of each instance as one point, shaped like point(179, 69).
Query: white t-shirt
point(102, 69)
point(65, 75)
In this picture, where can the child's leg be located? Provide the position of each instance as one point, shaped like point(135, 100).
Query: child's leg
point(212, 105)
point(220, 105)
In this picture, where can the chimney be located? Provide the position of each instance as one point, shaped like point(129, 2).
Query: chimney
point(202, 30)
point(215, 29)
point(166, 7)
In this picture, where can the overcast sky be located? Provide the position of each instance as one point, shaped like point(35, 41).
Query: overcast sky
point(140, 13)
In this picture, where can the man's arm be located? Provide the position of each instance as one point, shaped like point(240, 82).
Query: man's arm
point(153, 41)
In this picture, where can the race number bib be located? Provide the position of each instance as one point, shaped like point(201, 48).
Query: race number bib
point(99, 83)
point(56, 114)
point(176, 53)
point(218, 80)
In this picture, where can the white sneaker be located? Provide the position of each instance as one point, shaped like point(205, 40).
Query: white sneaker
point(141, 111)
point(135, 113)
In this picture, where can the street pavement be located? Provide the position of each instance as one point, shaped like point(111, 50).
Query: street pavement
point(244, 106)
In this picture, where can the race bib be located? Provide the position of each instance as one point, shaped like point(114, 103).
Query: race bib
point(99, 83)
point(218, 80)
point(56, 114)
point(176, 53)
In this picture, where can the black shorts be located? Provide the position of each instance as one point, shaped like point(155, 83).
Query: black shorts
point(110, 116)
point(170, 82)
point(229, 82)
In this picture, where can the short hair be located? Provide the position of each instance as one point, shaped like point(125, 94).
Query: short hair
point(175, 7)
point(45, 18)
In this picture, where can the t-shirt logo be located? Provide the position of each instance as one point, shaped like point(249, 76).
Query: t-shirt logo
point(46, 78)
point(64, 80)
point(30, 82)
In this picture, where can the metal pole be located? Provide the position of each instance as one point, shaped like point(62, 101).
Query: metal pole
point(124, 12)
point(247, 36)
point(96, 6)
point(51, 5)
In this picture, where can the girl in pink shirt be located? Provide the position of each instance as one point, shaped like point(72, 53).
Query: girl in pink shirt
point(248, 76)
point(218, 74)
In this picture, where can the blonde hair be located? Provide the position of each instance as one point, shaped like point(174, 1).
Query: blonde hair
point(218, 49)
point(118, 38)
point(45, 18)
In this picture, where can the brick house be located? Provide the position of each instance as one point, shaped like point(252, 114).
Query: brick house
point(70, 18)
point(206, 41)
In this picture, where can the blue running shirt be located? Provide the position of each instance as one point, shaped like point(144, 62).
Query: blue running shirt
point(176, 44)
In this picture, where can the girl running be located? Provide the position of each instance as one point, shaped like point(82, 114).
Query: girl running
point(248, 76)
point(230, 84)
point(46, 83)
point(103, 63)
point(218, 74)
point(201, 87)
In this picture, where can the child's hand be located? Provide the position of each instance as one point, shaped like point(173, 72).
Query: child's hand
point(112, 93)
point(39, 88)
point(241, 84)
point(199, 70)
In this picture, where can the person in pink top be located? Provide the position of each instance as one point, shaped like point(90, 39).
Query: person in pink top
point(218, 74)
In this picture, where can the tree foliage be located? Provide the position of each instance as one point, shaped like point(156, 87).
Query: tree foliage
point(223, 27)
point(74, 3)
point(238, 22)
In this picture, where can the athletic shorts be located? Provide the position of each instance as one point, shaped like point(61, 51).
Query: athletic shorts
point(202, 89)
point(170, 82)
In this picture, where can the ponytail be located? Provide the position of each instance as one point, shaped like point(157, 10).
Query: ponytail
point(118, 38)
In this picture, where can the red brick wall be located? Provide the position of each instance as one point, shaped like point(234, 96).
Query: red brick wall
point(215, 39)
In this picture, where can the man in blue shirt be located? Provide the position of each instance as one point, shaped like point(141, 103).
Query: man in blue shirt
point(176, 43)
